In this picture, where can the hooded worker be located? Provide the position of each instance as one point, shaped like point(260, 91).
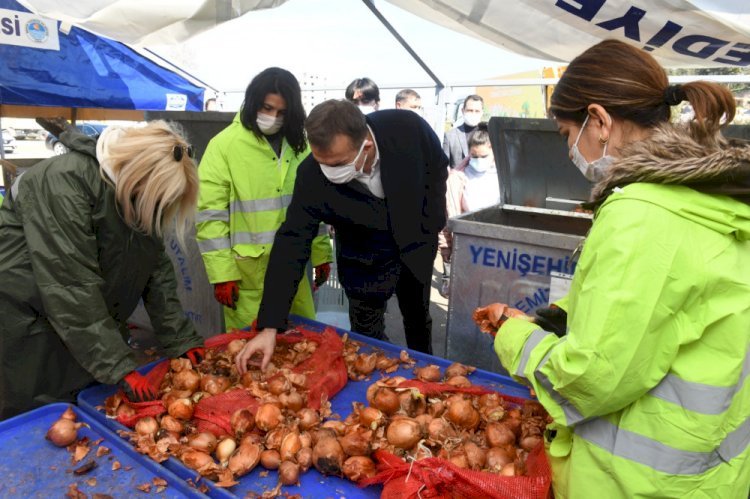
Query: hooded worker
point(81, 242)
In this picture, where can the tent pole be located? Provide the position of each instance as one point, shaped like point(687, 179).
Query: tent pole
point(389, 27)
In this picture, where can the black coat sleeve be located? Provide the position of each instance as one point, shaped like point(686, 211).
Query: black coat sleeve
point(436, 175)
point(291, 248)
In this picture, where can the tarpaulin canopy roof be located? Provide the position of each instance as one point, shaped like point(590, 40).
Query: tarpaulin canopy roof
point(679, 33)
point(42, 65)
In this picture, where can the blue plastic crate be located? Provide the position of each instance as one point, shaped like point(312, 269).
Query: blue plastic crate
point(312, 483)
point(31, 466)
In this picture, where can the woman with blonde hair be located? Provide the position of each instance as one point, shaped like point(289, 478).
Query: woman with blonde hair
point(648, 389)
point(81, 242)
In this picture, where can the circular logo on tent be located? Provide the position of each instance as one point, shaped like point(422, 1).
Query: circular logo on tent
point(37, 30)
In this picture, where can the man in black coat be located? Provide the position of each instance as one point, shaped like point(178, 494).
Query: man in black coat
point(380, 182)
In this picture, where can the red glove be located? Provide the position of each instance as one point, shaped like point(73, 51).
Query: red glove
point(195, 355)
point(321, 273)
point(227, 293)
point(137, 388)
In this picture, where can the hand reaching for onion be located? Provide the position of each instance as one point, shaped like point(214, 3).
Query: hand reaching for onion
point(490, 318)
point(262, 344)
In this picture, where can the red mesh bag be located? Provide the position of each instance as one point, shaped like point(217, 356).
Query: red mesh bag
point(439, 478)
point(213, 414)
point(142, 409)
point(433, 389)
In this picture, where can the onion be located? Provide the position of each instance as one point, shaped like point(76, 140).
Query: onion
point(268, 417)
point(63, 432)
point(424, 421)
point(370, 395)
point(357, 468)
point(69, 414)
point(308, 418)
point(251, 439)
point(475, 455)
point(463, 414)
point(459, 381)
point(249, 379)
point(181, 409)
point(460, 459)
point(292, 401)
point(297, 379)
point(274, 437)
point(196, 460)
point(225, 449)
point(499, 435)
point(337, 426)
point(290, 445)
point(188, 380)
point(204, 442)
point(386, 400)
point(305, 439)
point(173, 395)
point(371, 417)
point(508, 470)
point(242, 421)
point(304, 459)
point(125, 411)
point(288, 473)
point(328, 456)
point(435, 408)
point(439, 429)
point(279, 384)
point(528, 443)
point(270, 459)
point(457, 369)
point(429, 373)
point(356, 443)
point(365, 364)
point(180, 364)
point(235, 346)
point(171, 424)
point(244, 459)
point(513, 420)
point(147, 426)
point(403, 433)
point(497, 457)
point(489, 400)
point(214, 385)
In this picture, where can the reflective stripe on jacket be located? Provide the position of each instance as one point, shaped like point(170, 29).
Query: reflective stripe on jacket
point(244, 193)
point(649, 388)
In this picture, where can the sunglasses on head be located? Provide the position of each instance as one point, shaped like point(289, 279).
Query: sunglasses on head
point(180, 150)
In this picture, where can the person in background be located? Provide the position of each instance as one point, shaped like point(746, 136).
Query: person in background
point(365, 94)
point(246, 180)
point(379, 180)
point(472, 185)
point(648, 389)
point(409, 99)
point(455, 143)
point(81, 242)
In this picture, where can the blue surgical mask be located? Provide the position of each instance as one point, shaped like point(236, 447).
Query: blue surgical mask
point(595, 170)
point(480, 165)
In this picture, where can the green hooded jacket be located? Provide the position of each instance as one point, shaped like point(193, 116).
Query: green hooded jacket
point(72, 272)
point(649, 388)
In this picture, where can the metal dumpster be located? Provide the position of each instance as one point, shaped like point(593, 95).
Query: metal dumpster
point(506, 253)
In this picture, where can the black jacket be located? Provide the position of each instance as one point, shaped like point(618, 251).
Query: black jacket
point(413, 170)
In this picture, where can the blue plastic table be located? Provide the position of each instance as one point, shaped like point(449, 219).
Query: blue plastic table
point(312, 483)
point(31, 466)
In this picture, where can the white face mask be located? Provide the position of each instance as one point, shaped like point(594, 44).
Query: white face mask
point(268, 124)
point(595, 170)
point(344, 173)
point(367, 109)
point(472, 119)
point(480, 165)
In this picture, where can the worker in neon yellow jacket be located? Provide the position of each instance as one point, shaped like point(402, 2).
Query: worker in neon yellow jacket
point(247, 177)
point(648, 386)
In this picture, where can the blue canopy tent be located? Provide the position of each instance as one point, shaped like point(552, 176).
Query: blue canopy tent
point(45, 64)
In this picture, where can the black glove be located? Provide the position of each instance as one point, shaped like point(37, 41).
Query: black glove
point(552, 319)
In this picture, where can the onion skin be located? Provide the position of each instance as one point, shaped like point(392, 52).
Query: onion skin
point(336, 426)
point(69, 414)
point(147, 426)
point(270, 459)
point(462, 413)
point(365, 364)
point(288, 473)
point(328, 456)
point(181, 409)
point(63, 432)
point(244, 459)
point(403, 433)
point(268, 417)
point(242, 421)
point(357, 468)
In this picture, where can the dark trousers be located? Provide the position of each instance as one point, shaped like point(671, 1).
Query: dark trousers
point(367, 315)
